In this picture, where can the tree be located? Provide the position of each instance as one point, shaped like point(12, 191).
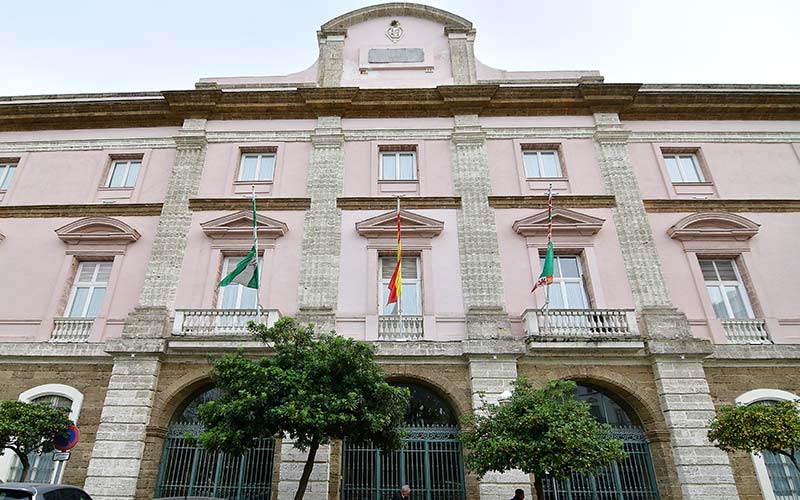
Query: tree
point(27, 428)
point(313, 389)
point(758, 427)
point(538, 431)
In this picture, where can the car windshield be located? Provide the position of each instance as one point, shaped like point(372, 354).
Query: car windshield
point(4, 494)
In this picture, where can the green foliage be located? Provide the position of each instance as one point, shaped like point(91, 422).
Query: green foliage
point(757, 427)
point(30, 428)
point(314, 389)
point(537, 431)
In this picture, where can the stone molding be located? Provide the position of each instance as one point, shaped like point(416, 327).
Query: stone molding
point(406, 134)
point(716, 205)
point(716, 136)
point(396, 9)
point(713, 226)
point(98, 230)
point(539, 132)
point(563, 200)
point(86, 145)
point(266, 204)
point(565, 221)
point(239, 226)
point(413, 225)
point(259, 136)
point(80, 210)
point(386, 203)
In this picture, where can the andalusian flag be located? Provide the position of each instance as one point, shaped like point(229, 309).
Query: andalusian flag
point(546, 277)
point(246, 271)
point(396, 283)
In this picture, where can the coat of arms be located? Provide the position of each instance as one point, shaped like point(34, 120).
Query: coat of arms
point(394, 32)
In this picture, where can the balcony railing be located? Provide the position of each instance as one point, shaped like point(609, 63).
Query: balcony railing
point(400, 328)
point(580, 324)
point(71, 329)
point(219, 322)
point(746, 331)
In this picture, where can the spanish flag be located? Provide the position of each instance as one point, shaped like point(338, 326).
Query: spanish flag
point(396, 283)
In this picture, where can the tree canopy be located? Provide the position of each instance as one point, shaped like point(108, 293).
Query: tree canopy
point(773, 426)
point(314, 388)
point(538, 430)
point(27, 428)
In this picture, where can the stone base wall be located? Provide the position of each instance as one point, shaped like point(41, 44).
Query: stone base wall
point(91, 379)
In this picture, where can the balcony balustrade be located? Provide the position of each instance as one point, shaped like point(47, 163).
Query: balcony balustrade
point(746, 331)
point(580, 324)
point(71, 329)
point(400, 328)
point(219, 322)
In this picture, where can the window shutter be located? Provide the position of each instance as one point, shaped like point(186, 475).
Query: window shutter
point(410, 270)
point(726, 270)
point(707, 267)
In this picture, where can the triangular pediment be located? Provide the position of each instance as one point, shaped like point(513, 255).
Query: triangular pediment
point(239, 225)
point(713, 226)
point(565, 221)
point(411, 224)
point(98, 230)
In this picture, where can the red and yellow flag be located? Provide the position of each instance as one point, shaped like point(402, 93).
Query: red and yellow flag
point(396, 283)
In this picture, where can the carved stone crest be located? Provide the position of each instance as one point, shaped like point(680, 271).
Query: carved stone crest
point(394, 32)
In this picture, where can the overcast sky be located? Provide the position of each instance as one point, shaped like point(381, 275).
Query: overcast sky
point(71, 46)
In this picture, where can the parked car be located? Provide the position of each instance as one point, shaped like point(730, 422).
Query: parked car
point(33, 491)
point(188, 498)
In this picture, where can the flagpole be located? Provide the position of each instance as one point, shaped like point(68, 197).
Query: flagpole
point(399, 257)
point(255, 245)
point(546, 307)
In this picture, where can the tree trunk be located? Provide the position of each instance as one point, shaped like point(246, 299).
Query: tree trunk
point(26, 465)
point(537, 484)
point(301, 488)
point(792, 457)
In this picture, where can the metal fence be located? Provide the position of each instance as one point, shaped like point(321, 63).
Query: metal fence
point(431, 462)
point(630, 479)
point(187, 469)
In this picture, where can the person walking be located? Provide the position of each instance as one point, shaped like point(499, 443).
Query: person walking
point(403, 494)
point(518, 494)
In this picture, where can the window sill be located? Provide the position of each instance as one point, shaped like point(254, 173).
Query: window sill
point(540, 185)
point(248, 183)
point(114, 193)
point(694, 189)
point(399, 187)
point(246, 187)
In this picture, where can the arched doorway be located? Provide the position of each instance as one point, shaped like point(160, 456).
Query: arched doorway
point(630, 479)
point(431, 461)
point(187, 469)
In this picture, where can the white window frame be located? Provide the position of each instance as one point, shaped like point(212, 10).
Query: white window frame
point(756, 396)
point(92, 285)
point(539, 164)
point(695, 162)
point(579, 279)
point(7, 171)
point(228, 264)
point(259, 158)
point(384, 284)
point(127, 166)
point(397, 170)
point(721, 284)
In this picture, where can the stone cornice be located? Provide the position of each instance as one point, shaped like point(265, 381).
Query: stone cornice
point(563, 200)
point(207, 204)
point(386, 203)
point(631, 101)
point(80, 210)
point(743, 205)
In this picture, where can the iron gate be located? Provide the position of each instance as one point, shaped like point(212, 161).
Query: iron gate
point(430, 462)
point(630, 479)
point(187, 469)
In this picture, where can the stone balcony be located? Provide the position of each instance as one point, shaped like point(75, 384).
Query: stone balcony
point(746, 331)
point(71, 329)
point(219, 322)
point(400, 327)
point(580, 324)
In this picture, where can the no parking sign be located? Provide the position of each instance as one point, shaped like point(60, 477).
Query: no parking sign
point(68, 442)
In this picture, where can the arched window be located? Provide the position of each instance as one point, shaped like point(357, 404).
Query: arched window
point(187, 469)
point(778, 478)
point(431, 461)
point(629, 479)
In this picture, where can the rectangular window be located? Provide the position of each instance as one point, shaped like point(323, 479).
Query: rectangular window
point(398, 166)
point(89, 289)
point(568, 290)
point(236, 296)
point(123, 173)
point(257, 167)
point(411, 296)
point(725, 288)
point(541, 164)
point(6, 174)
point(683, 168)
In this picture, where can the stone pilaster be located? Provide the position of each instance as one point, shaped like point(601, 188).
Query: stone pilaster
point(331, 61)
point(462, 55)
point(117, 454)
point(489, 378)
point(481, 275)
point(704, 471)
point(319, 268)
point(291, 468)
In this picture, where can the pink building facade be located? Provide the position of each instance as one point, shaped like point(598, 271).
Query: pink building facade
point(676, 212)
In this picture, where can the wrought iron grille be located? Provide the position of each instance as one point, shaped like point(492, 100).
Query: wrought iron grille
point(431, 462)
point(630, 479)
point(187, 469)
point(783, 477)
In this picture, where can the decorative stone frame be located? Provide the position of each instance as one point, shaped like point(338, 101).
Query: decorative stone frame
point(683, 190)
point(575, 235)
point(232, 235)
point(534, 186)
point(235, 187)
point(709, 235)
point(128, 194)
point(381, 234)
point(756, 396)
point(89, 239)
point(380, 187)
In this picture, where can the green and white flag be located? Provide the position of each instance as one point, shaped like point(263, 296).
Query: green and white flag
point(245, 273)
